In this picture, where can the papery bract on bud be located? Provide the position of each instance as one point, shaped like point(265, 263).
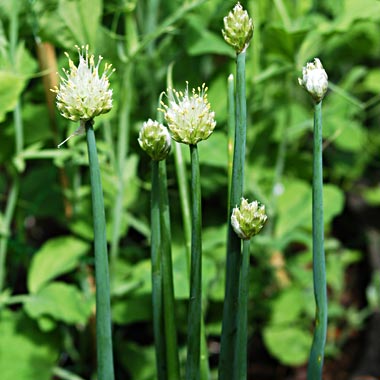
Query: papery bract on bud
point(155, 140)
point(314, 80)
point(248, 219)
point(189, 117)
point(238, 28)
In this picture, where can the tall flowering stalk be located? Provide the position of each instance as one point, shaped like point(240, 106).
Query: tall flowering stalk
point(247, 220)
point(314, 80)
point(190, 121)
point(238, 32)
point(81, 96)
point(155, 140)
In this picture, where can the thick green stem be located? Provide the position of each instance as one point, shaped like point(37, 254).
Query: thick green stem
point(314, 371)
point(157, 297)
point(231, 130)
point(172, 358)
point(242, 317)
point(228, 339)
point(195, 301)
point(103, 304)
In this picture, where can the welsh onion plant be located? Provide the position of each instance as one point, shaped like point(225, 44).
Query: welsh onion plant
point(247, 220)
point(314, 80)
point(82, 96)
point(190, 121)
point(238, 32)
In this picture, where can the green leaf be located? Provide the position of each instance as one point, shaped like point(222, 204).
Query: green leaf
point(82, 19)
point(25, 352)
point(11, 86)
point(372, 195)
point(289, 344)
point(295, 211)
point(56, 257)
point(281, 312)
point(60, 301)
point(139, 361)
point(132, 309)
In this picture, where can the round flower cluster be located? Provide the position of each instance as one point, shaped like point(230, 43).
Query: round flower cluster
point(238, 28)
point(189, 117)
point(248, 219)
point(314, 80)
point(83, 94)
point(155, 140)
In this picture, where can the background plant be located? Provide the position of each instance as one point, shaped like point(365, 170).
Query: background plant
point(45, 222)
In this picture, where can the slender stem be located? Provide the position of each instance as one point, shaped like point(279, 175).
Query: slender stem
point(172, 358)
point(19, 144)
point(184, 198)
point(228, 339)
point(242, 317)
point(231, 129)
point(65, 375)
point(157, 297)
point(8, 216)
point(195, 301)
point(103, 305)
point(314, 371)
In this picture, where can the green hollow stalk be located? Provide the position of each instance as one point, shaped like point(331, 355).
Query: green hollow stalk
point(157, 297)
point(103, 304)
point(186, 218)
point(228, 338)
point(172, 358)
point(231, 129)
point(315, 366)
point(195, 300)
point(242, 317)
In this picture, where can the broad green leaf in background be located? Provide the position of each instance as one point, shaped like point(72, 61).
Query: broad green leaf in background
point(138, 360)
point(25, 352)
point(11, 86)
point(372, 195)
point(289, 344)
point(82, 18)
point(356, 10)
point(56, 257)
point(135, 308)
point(60, 301)
point(294, 206)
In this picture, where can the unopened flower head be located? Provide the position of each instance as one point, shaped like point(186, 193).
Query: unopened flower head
point(155, 140)
point(188, 116)
point(314, 80)
point(248, 219)
point(83, 94)
point(238, 28)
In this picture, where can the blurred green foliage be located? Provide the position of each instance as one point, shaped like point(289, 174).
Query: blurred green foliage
point(47, 302)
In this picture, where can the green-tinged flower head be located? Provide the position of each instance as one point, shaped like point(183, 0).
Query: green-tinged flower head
point(314, 80)
point(189, 117)
point(155, 140)
point(248, 219)
point(238, 28)
point(83, 94)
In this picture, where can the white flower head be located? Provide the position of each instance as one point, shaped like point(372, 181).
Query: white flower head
point(155, 140)
point(248, 219)
point(314, 80)
point(84, 94)
point(189, 117)
point(238, 28)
